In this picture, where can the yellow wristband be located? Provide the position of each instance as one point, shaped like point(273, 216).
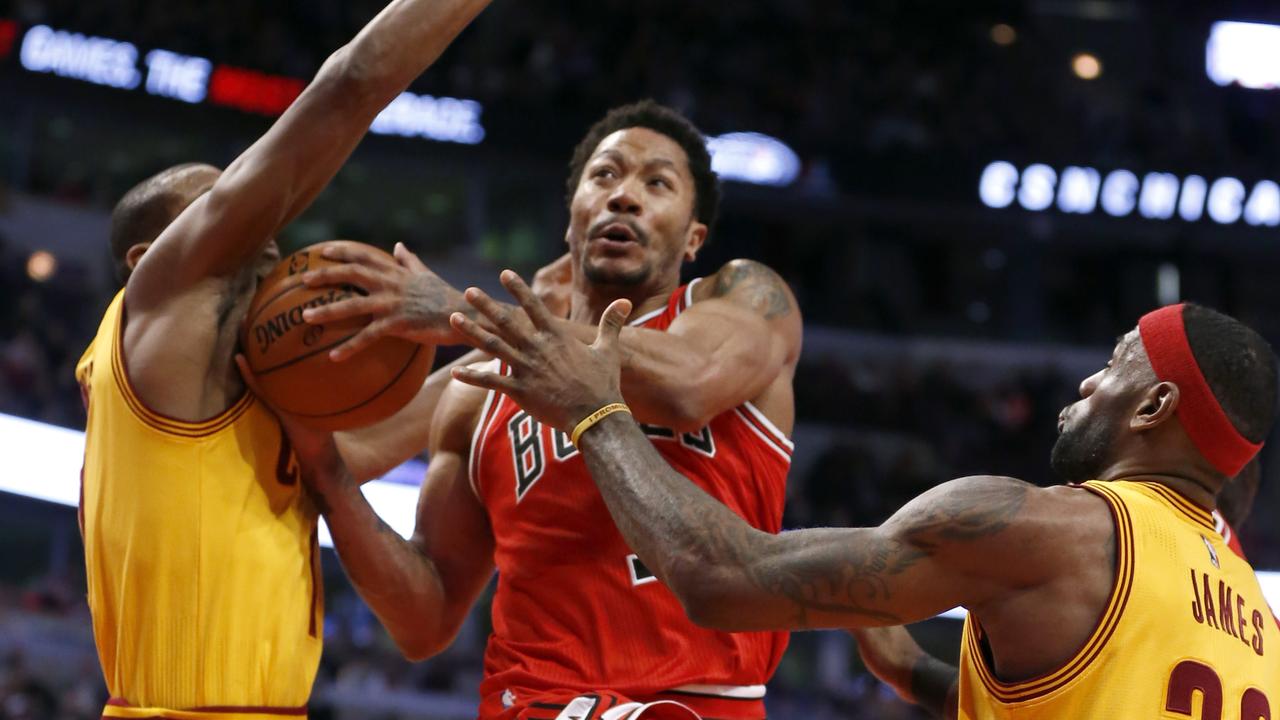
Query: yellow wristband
point(596, 417)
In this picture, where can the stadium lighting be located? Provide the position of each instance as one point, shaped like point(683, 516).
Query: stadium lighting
point(1244, 53)
point(753, 158)
point(41, 265)
point(1003, 34)
point(1086, 66)
point(44, 461)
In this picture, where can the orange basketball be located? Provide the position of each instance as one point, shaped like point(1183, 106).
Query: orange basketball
point(291, 358)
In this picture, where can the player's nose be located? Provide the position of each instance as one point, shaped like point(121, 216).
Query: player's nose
point(624, 199)
point(1090, 384)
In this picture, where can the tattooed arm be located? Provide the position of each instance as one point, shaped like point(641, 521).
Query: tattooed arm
point(962, 543)
point(739, 341)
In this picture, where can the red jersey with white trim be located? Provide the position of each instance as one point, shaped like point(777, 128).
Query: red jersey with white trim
point(575, 609)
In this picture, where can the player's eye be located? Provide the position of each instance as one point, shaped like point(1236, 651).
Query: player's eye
point(660, 182)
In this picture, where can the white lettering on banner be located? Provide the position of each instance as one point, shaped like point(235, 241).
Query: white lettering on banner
point(181, 77)
point(444, 119)
point(1159, 196)
point(101, 61)
point(1225, 199)
point(998, 186)
point(1037, 187)
point(1078, 192)
point(1120, 193)
point(1191, 205)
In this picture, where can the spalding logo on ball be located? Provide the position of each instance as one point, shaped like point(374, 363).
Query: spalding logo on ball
point(290, 358)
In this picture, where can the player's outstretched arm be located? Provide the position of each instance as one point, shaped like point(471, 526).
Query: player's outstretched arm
point(963, 543)
point(893, 656)
point(742, 333)
point(280, 174)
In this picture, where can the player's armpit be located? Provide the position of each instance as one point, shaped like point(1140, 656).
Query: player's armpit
point(965, 542)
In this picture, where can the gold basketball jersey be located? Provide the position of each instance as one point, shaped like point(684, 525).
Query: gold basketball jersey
point(200, 551)
point(1187, 632)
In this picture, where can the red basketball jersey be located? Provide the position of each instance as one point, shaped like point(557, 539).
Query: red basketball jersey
point(575, 609)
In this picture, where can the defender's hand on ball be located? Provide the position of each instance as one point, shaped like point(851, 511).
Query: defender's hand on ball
point(403, 297)
point(555, 377)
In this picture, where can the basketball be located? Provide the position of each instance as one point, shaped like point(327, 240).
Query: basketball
point(290, 358)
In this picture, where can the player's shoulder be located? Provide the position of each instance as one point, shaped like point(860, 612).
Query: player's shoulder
point(751, 283)
point(733, 275)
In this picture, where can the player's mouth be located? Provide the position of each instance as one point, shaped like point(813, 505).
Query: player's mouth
point(617, 236)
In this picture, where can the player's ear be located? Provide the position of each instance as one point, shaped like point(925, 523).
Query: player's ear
point(694, 240)
point(134, 254)
point(1156, 407)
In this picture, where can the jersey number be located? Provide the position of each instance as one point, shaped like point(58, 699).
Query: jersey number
point(1190, 676)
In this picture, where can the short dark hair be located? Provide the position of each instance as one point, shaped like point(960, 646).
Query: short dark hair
point(144, 212)
point(669, 122)
point(1239, 366)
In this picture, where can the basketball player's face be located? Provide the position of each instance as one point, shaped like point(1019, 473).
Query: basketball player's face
point(631, 220)
point(1089, 428)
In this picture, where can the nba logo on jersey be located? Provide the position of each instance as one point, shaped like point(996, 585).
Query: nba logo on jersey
point(1213, 554)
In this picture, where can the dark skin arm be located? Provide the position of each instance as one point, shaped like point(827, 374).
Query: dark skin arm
point(893, 656)
point(987, 543)
point(181, 294)
point(421, 589)
point(739, 341)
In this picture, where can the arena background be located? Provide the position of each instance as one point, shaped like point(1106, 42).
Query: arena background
point(970, 200)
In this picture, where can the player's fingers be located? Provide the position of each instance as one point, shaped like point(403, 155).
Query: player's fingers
point(346, 251)
point(408, 259)
point(504, 318)
point(354, 306)
point(611, 322)
point(481, 339)
point(367, 336)
point(505, 384)
point(344, 274)
point(533, 306)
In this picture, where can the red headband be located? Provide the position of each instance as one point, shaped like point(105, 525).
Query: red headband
point(1164, 334)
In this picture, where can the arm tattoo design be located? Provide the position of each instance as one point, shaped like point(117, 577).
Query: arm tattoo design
point(764, 291)
point(694, 541)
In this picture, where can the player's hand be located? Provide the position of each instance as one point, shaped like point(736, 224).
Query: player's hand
point(553, 285)
point(555, 377)
point(402, 297)
point(890, 653)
